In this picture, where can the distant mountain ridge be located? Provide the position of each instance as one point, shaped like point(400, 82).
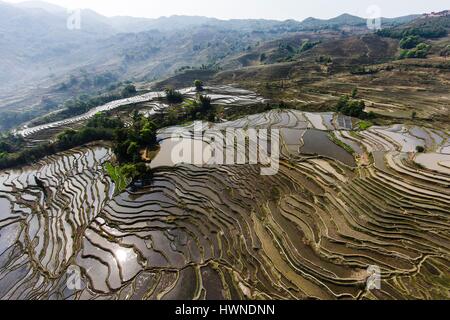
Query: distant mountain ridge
point(38, 53)
point(134, 24)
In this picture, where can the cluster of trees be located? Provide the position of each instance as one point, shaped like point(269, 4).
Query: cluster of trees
point(307, 45)
point(427, 32)
point(84, 103)
point(409, 42)
point(100, 127)
point(202, 108)
point(353, 108)
point(134, 171)
point(131, 140)
point(128, 91)
point(286, 52)
point(173, 96)
point(420, 149)
point(199, 109)
point(9, 144)
point(102, 120)
point(286, 47)
point(198, 84)
point(14, 153)
point(420, 52)
point(74, 138)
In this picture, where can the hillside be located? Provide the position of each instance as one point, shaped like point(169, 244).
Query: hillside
point(190, 158)
point(52, 63)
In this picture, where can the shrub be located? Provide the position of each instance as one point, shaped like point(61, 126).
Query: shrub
point(419, 52)
point(307, 45)
point(198, 85)
point(173, 96)
point(409, 42)
point(128, 91)
point(352, 108)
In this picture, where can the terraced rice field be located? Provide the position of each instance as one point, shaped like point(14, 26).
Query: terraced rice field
point(226, 232)
point(225, 95)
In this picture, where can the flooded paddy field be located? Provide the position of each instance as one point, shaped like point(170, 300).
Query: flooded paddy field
point(151, 103)
point(227, 232)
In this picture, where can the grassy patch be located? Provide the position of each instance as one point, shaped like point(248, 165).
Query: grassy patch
point(364, 125)
point(340, 143)
point(116, 173)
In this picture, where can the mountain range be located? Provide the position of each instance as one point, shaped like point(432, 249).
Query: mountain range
point(39, 54)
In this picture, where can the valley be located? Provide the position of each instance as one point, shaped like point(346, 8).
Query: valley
point(95, 203)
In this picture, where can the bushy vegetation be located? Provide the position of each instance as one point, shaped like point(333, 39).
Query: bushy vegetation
point(84, 103)
point(353, 108)
point(13, 151)
point(111, 90)
point(173, 96)
point(10, 144)
point(74, 138)
point(191, 110)
point(308, 45)
point(124, 174)
point(102, 120)
point(117, 175)
point(419, 52)
point(409, 42)
point(130, 141)
point(67, 140)
point(364, 124)
point(428, 32)
point(198, 85)
point(128, 91)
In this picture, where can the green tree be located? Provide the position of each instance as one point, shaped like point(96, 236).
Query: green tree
point(173, 96)
point(409, 42)
point(205, 103)
point(342, 103)
point(352, 108)
point(148, 133)
point(198, 85)
point(128, 91)
point(133, 150)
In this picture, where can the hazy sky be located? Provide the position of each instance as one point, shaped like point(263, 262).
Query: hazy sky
point(267, 9)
